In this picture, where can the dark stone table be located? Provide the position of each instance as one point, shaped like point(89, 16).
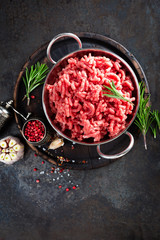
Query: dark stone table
point(119, 201)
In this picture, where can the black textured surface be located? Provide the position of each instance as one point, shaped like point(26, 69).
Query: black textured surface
point(119, 201)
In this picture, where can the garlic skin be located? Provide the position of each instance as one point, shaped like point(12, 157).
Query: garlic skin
point(56, 143)
point(11, 150)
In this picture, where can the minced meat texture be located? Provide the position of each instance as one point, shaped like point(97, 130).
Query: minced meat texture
point(76, 98)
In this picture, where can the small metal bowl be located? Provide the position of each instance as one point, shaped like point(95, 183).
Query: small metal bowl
point(43, 140)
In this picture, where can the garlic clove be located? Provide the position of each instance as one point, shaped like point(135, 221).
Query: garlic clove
point(56, 143)
point(17, 147)
point(11, 150)
point(12, 142)
point(7, 158)
point(2, 156)
point(3, 144)
point(13, 156)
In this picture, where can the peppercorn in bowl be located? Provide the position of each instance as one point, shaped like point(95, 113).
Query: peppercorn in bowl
point(34, 131)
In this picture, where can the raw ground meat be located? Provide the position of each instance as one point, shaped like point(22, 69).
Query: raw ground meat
point(76, 98)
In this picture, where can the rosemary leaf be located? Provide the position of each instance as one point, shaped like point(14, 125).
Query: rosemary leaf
point(154, 131)
point(33, 78)
point(156, 116)
point(112, 92)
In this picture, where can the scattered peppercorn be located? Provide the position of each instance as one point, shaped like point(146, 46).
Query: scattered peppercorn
point(52, 171)
point(33, 97)
point(37, 180)
point(74, 187)
point(43, 162)
point(35, 169)
point(60, 186)
point(35, 155)
point(67, 189)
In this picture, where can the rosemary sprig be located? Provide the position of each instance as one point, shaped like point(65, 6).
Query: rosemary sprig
point(156, 116)
point(113, 92)
point(34, 78)
point(144, 117)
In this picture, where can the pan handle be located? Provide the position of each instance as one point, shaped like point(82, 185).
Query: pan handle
point(118, 155)
point(61, 35)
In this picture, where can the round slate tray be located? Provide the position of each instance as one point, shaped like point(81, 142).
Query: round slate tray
point(73, 156)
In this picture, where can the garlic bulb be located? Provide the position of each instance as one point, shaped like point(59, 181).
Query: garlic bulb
point(11, 150)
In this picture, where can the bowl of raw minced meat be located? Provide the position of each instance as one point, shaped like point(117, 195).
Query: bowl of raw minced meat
point(90, 96)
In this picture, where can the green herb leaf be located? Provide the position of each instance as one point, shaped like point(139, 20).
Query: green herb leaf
point(144, 117)
point(34, 78)
point(154, 131)
point(156, 116)
point(112, 92)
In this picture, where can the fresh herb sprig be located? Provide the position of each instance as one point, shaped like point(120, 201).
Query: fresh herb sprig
point(156, 116)
point(34, 78)
point(113, 92)
point(144, 117)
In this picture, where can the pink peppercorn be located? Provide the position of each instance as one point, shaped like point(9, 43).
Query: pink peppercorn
point(74, 187)
point(67, 189)
point(37, 180)
point(43, 162)
point(33, 97)
point(35, 169)
point(60, 186)
point(34, 131)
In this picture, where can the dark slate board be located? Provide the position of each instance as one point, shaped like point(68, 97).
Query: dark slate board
point(76, 156)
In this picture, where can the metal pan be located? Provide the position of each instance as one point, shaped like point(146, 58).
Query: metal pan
point(60, 64)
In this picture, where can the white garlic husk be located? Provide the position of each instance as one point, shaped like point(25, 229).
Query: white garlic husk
point(11, 150)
